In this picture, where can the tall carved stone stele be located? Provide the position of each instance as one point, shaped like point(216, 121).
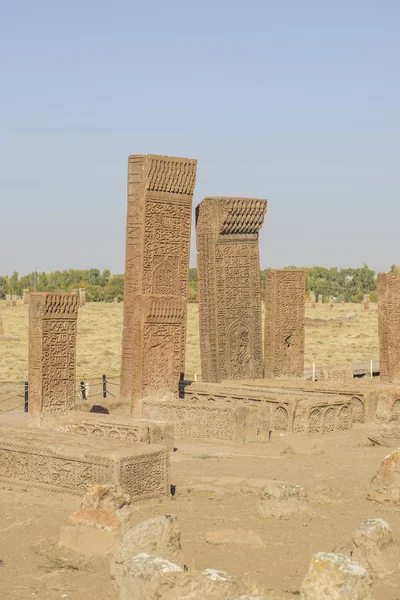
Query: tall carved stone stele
point(284, 323)
point(52, 352)
point(388, 286)
point(229, 287)
point(160, 191)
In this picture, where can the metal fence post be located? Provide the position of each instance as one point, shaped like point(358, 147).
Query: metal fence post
point(26, 396)
point(83, 390)
point(104, 386)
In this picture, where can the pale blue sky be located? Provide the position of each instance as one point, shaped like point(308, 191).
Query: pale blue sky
point(293, 101)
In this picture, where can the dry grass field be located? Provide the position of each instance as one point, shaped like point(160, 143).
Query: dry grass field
point(100, 331)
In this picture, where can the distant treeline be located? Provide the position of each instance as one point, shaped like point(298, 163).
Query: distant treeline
point(344, 284)
point(100, 287)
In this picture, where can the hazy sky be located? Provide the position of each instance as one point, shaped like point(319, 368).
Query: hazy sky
point(293, 101)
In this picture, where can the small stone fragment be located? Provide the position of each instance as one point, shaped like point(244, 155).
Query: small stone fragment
point(279, 499)
point(374, 548)
point(385, 485)
point(210, 584)
point(91, 532)
point(335, 577)
point(160, 537)
point(107, 497)
point(147, 577)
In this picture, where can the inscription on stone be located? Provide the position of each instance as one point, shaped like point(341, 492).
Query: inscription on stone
point(160, 191)
point(52, 352)
point(388, 286)
point(229, 287)
point(284, 323)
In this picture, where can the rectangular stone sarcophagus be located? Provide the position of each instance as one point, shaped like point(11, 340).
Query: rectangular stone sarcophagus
point(284, 323)
point(160, 191)
point(229, 287)
point(71, 463)
point(52, 352)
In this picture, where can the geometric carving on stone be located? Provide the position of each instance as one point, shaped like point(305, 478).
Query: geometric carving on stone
point(229, 287)
point(388, 286)
point(159, 213)
point(52, 352)
point(70, 464)
point(358, 410)
point(284, 323)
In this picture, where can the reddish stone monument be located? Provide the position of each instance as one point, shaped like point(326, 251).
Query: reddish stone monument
point(229, 287)
point(52, 352)
point(388, 286)
point(284, 323)
point(160, 191)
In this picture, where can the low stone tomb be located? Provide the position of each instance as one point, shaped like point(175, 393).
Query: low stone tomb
point(117, 428)
point(71, 463)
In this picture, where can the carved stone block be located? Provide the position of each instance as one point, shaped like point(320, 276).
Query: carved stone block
point(71, 463)
point(229, 287)
point(124, 429)
point(388, 286)
point(160, 191)
point(52, 352)
point(284, 323)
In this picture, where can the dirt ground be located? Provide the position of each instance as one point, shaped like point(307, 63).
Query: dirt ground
point(328, 342)
point(335, 469)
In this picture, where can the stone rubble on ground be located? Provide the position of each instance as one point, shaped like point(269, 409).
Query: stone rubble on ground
point(159, 537)
point(95, 529)
point(374, 548)
point(279, 499)
point(334, 576)
point(385, 485)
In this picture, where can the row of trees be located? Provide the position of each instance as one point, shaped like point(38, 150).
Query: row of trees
point(100, 287)
point(344, 284)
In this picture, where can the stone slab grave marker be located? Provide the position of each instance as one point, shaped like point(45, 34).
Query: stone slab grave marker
point(312, 299)
point(320, 298)
point(388, 285)
point(25, 296)
point(366, 301)
point(8, 299)
point(284, 323)
point(82, 296)
point(229, 287)
point(52, 352)
point(160, 191)
point(14, 300)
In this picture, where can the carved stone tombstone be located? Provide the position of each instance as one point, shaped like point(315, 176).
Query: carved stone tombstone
point(14, 300)
point(52, 352)
point(229, 287)
point(82, 297)
point(284, 323)
point(388, 286)
point(320, 298)
point(160, 191)
point(312, 299)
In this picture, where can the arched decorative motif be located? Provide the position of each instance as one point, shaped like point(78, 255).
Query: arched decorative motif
point(395, 411)
point(358, 410)
point(281, 418)
point(344, 418)
point(314, 425)
point(328, 419)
